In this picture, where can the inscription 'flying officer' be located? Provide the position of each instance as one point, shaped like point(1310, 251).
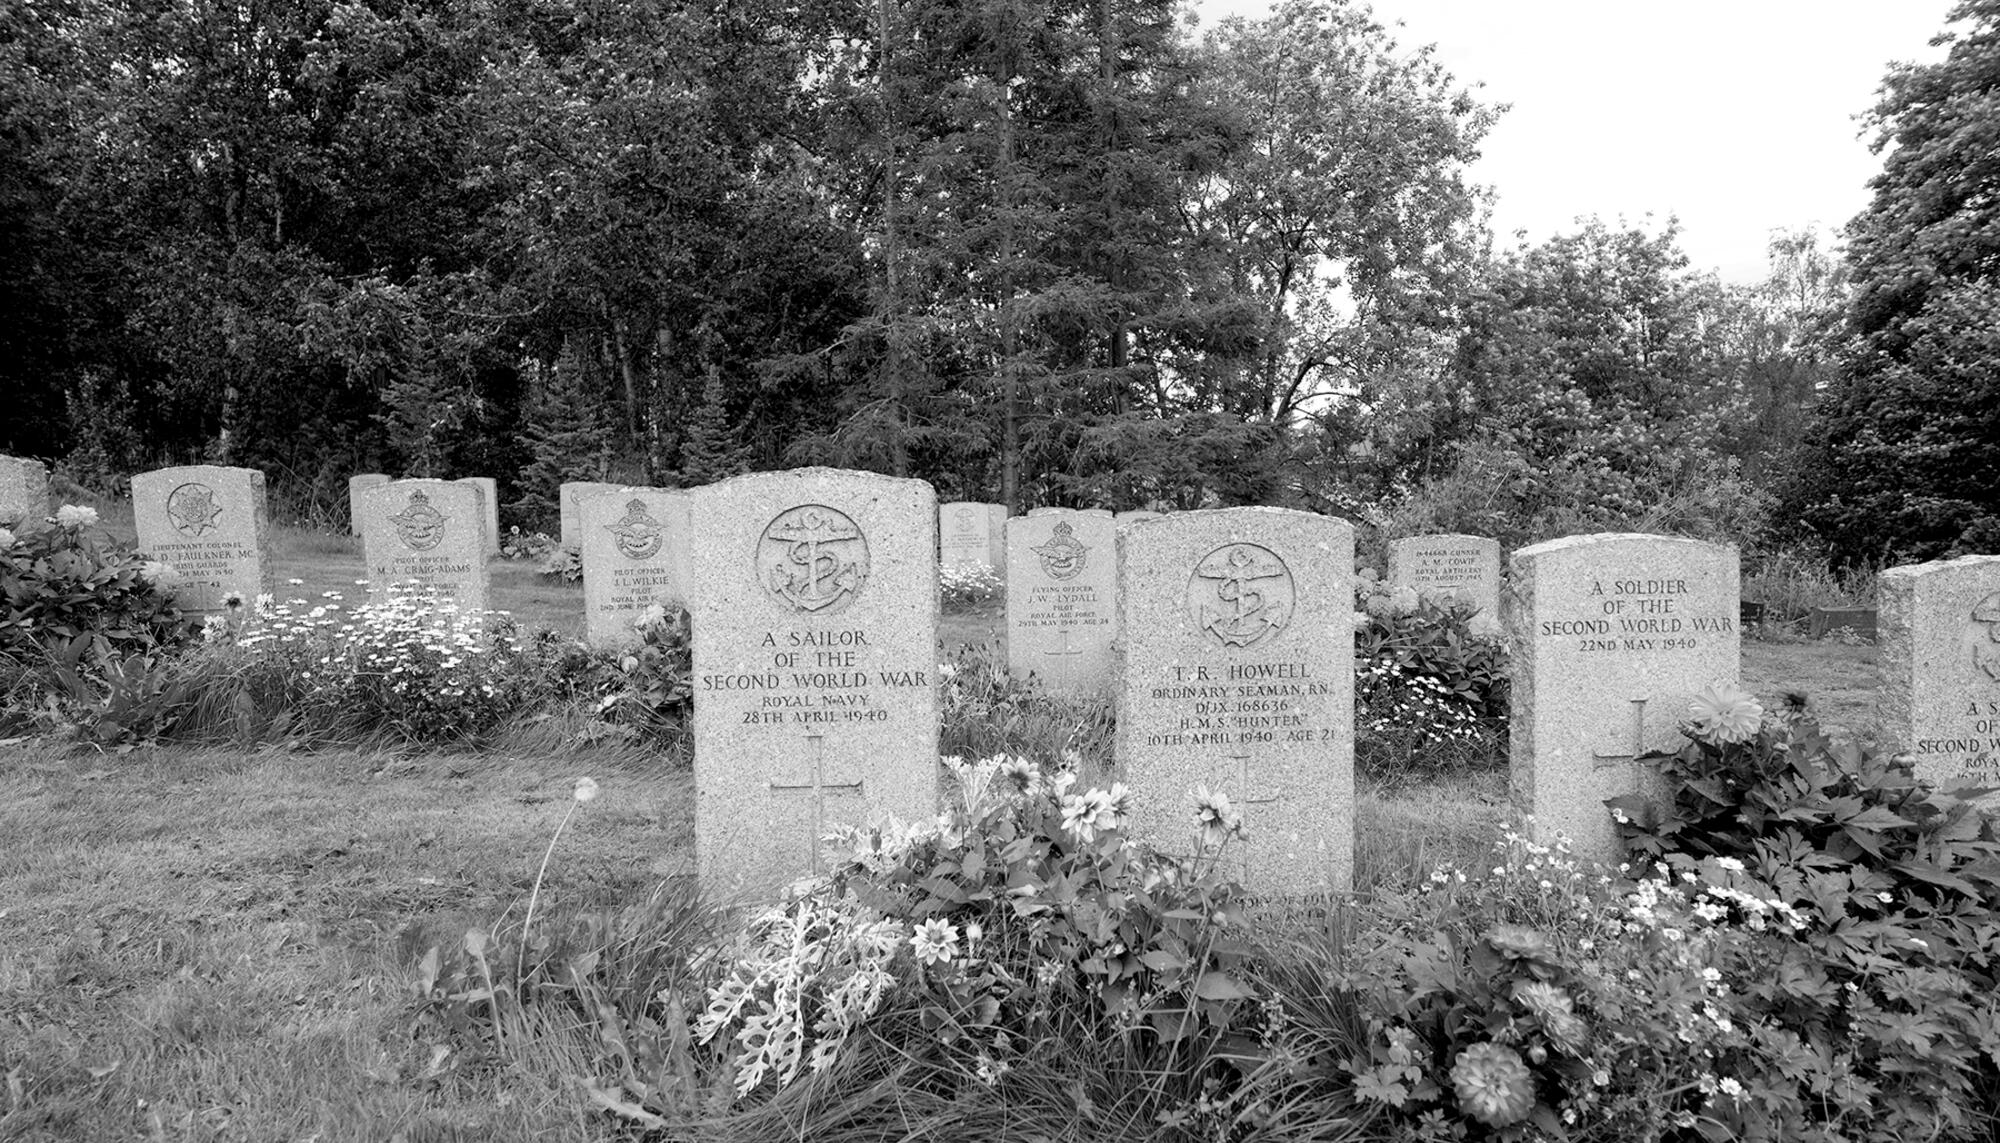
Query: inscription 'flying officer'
point(815, 559)
point(1254, 589)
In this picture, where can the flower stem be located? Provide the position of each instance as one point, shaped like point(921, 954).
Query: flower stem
point(527, 922)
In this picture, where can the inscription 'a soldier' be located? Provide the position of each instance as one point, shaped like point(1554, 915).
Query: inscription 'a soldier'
point(813, 559)
point(1240, 595)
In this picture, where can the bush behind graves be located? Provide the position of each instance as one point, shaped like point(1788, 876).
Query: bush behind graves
point(1431, 684)
point(67, 580)
point(1888, 996)
point(986, 711)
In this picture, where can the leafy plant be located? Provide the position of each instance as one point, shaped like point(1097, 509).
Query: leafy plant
point(562, 562)
point(67, 580)
point(1888, 996)
point(969, 583)
point(1431, 683)
point(987, 712)
point(519, 545)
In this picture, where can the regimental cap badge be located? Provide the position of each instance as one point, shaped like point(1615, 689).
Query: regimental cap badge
point(639, 536)
point(1064, 556)
point(192, 510)
point(420, 525)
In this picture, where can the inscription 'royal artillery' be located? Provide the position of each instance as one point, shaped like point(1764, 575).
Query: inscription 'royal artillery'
point(814, 559)
point(192, 510)
point(1064, 556)
point(419, 525)
point(639, 536)
point(1240, 595)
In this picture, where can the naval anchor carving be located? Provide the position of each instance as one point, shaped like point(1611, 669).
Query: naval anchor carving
point(1986, 655)
point(1240, 595)
point(1064, 556)
point(420, 525)
point(191, 509)
point(640, 537)
point(813, 559)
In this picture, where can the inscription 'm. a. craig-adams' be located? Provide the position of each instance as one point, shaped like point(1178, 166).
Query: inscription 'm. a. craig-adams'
point(192, 510)
point(813, 559)
point(639, 536)
point(1240, 595)
point(1064, 556)
point(419, 525)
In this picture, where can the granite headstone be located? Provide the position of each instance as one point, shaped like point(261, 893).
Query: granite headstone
point(634, 556)
point(1939, 631)
point(1062, 590)
point(1449, 564)
point(356, 484)
point(427, 532)
point(571, 496)
point(209, 523)
point(24, 491)
point(972, 535)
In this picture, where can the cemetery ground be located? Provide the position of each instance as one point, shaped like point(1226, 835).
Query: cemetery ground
point(217, 943)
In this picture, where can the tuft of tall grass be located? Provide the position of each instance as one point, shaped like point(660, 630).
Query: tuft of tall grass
point(1791, 582)
point(987, 711)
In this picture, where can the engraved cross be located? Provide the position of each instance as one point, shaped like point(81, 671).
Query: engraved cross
point(819, 787)
point(1599, 760)
point(1066, 648)
point(1244, 799)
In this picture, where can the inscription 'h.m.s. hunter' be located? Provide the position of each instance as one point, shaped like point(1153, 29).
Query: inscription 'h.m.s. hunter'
point(1240, 594)
point(814, 559)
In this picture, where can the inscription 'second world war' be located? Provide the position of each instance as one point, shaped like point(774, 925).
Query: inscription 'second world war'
point(813, 559)
point(1064, 556)
point(1240, 595)
point(639, 536)
point(419, 525)
point(192, 510)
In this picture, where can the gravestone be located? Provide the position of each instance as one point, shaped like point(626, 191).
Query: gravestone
point(1236, 673)
point(24, 491)
point(1824, 621)
point(570, 497)
point(634, 556)
point(1062, 590)
point(1104, 512)
point(432, 532)
point(209, 523)
point(1449, 564)
point(972, 535)
point(489, 492)
point(1138, 514)
point(356, 484)
point(1613, 635)
point(1940, 639)
point(813, 595)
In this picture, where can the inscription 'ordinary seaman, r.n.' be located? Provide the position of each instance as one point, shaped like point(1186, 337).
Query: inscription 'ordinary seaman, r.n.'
point(1240, 595)
point(813, 559)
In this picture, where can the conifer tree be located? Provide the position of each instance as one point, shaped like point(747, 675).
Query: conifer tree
point(711, 449)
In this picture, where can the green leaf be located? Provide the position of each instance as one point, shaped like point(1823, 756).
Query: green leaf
point(1217, 985)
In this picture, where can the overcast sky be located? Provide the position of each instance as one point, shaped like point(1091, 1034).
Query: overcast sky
point(1736, 115)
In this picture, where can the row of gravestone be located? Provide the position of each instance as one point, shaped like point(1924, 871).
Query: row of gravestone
point(814, 598)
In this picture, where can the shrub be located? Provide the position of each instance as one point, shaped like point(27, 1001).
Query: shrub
point(562, 562)
point(67, 580)
point(643, 693)
point(519, 545)
point(412, 666)
point(1431, 684)
point(1888, 999)
point(969, 583)
point(986, 711)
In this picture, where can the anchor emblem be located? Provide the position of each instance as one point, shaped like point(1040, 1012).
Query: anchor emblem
point(191, 509)
point(815, 559)
point(1064, 555)
point(639, 535)
point(1254, 588)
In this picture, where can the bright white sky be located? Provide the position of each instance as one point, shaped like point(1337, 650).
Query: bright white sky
point(1736, 115)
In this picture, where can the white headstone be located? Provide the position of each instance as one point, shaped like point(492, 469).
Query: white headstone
point(1613, 635)
point(429, 532)
point(1449, 564)
point(489, 493)
point(971, 535)
point(571, 495)
point(24, 491)
point(1236, 675)
point(634, 556)
point(1062, 592)
point(813, 596)
point(1939, 630)
point(356, 484)
point(209, 523)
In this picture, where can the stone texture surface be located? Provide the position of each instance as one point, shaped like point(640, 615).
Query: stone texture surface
point(1062, 592)
point(1450, 563)
point(489, 492)
point(972, 534)
point(1613, 634)
point(356, 484)
point(210, 523)
point(814, 600)
point(571, 496)
point(634, 556)
point(1235, 672)
point(429, 531)
point(1138, 514)
point(24, 491)
point(1939, 633)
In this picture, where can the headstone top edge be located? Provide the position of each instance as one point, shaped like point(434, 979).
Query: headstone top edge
point(1911, 571)
point(1606, 539)
point(812, 475)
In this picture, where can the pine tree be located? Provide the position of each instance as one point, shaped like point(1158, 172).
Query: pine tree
point(711, 449)
point(568, 437)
